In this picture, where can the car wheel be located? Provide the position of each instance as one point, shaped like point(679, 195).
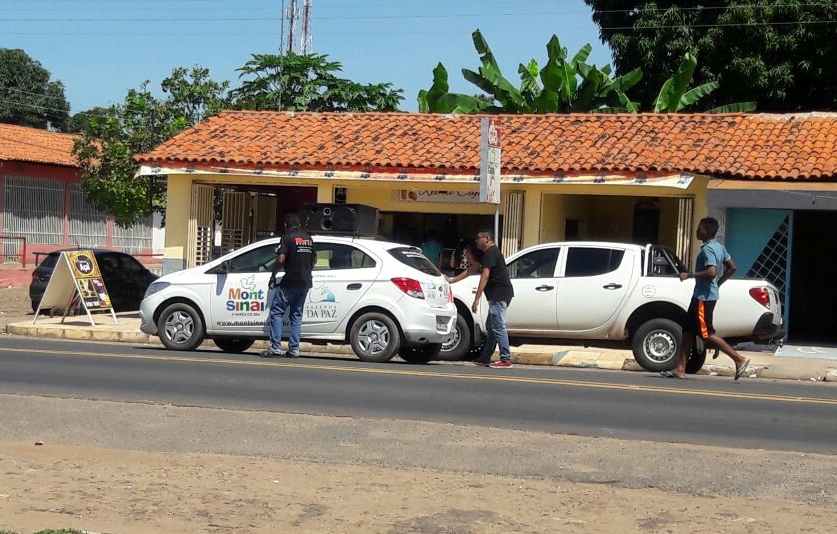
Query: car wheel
point(697, 358)
point(457, 346)
point(374, 337)
point(421, 354)
point(228, 344)
point(180, 327)
point(656, 344)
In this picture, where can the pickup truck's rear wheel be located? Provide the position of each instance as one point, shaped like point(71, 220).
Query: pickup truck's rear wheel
point(656, 344)
point(458, 344)
point(697, 358)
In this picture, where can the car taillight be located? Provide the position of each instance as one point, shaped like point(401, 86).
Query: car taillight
point(409, 286)
point(450, 294)
point(761, 295)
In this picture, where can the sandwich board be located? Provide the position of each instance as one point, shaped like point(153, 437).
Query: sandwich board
point(76, 280)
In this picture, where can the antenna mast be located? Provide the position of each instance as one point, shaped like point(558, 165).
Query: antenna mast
point(292, 16)
point(306, 39)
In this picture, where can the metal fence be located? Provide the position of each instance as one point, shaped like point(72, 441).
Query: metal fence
point(135, 238)
point(88, 226)
point(33, 208)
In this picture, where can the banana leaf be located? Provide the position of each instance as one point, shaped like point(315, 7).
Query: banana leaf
point(738, 107)
point(429, 100)
point(693, 95)
point(672, 90)
point(486, 56)
point(529, 77)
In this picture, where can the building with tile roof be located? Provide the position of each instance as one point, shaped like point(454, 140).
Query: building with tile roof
point(620, 177)
point(42, 204)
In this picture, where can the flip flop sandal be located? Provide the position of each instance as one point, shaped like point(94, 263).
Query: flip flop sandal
point(739, 371)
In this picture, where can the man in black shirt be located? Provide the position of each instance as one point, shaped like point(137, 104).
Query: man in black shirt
point(296, 254)
point(494, 281)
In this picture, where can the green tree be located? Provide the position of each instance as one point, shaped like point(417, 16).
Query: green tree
point(79, 122)
point(111, 139)
point(28, 96)
point(308, 82)
point(776, 52)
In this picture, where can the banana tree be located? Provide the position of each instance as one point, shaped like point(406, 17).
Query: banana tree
point(551, 89)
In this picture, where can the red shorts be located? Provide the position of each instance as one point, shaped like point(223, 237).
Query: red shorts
point(699, 318)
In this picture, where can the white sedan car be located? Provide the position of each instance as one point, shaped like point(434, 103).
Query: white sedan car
point(383, 298)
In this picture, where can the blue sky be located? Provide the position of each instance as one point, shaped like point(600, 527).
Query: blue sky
point(101, 48)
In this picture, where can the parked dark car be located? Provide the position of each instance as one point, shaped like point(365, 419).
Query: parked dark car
point(126, 278)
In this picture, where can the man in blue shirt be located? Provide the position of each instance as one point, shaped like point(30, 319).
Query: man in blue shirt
point(713, 267)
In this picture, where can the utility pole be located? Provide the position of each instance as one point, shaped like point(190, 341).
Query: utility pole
point(306, 39)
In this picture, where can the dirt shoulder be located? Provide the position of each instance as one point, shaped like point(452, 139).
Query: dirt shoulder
point(139, 468)
point(15, 306)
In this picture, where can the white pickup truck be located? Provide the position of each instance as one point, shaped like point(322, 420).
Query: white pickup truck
point(612, 291)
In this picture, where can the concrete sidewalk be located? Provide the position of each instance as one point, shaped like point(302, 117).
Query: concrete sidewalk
point(762, 364)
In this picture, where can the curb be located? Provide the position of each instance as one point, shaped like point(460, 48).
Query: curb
point(586, 358)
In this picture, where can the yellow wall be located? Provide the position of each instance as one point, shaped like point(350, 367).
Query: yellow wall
point(178, 201)
point(606, 212)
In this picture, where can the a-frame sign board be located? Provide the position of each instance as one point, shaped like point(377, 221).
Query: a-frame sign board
point(76, 279)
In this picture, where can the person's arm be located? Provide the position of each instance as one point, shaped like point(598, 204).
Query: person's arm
point(484, 274)
point(277, 265)
point(707, 274)
point(472, 269)
point(729, 270)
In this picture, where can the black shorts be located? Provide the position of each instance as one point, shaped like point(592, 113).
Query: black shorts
point(699, 318)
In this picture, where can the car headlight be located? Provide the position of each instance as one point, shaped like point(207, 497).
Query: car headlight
point(155, 287)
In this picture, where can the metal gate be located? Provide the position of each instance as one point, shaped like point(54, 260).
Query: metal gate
point(233, 220)
point(685, 213)
point(201, 220)
point(512, 238)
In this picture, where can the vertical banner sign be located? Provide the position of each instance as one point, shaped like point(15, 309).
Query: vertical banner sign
point(490, 160)
point(76, 279)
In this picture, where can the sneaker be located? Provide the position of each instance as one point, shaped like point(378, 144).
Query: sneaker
point(290, 354)
point(480, 362)
point(502, 364)
point(270, 353)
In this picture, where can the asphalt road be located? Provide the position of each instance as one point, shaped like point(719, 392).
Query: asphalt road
point(706, 410)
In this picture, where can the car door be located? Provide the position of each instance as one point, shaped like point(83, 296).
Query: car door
point(240, 300)
point(534, 306)
point(343, 274)
point(595, 281)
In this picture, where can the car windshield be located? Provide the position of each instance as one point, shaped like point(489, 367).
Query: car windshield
point(412, 257)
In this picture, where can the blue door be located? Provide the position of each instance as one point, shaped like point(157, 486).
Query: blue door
point(759, 241)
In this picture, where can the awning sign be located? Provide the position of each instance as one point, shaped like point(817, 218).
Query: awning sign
point(76, 280)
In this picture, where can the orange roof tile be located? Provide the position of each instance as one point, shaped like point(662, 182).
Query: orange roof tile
point(20, 143)
point(800, 146)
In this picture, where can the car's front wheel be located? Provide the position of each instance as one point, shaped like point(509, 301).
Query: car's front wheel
point(228, 344)
point(180, 327)
point(656, 344)
point(422, 354)
point(375, 337)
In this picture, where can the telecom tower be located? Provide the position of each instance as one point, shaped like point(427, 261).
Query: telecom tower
point(293, 16)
